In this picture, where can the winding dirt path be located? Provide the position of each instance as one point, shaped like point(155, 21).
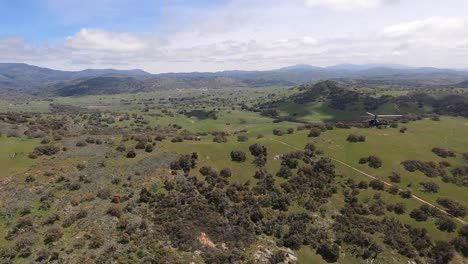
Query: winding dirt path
point(385, 182)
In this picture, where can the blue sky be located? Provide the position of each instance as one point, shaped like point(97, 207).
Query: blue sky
point(182, 35)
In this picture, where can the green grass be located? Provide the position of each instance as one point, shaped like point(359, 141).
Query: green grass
point(22, 147)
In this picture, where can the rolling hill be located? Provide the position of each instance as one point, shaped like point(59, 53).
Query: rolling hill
point(43, 81)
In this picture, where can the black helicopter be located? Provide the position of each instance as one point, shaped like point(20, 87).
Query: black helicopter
point(376, 123)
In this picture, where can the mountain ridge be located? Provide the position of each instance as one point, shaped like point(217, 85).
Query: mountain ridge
point(45, 81)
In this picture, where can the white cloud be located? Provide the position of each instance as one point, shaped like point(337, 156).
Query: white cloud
point(345, 5)
point(431, 27)
point(98, 39)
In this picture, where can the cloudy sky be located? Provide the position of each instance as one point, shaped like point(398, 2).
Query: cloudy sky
point(212, 35)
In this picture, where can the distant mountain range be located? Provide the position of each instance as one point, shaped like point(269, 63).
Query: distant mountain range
point(44, 81)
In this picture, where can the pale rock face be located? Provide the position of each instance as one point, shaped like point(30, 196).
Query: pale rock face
point(265, 255)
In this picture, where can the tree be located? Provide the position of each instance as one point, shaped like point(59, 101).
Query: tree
point(406, 194)
point(314, 132)
point(225, 172)
point(238, 155)
point(284, 172)
point(445, 223)
point(430, 187)
point(149, 148)
point(352, 138)
point(242, 138)
point(257, 150)
point(377, 184)
point(442, 252)
point(395, 177)
point(399, 208)
point(374, 161)
point(418, 215)
point(329, 252)
point(131, 154)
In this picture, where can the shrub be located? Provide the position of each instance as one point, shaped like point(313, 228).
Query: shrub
point(444, 223)
point(406, 194)
point(47, 150)
point(277, 132)
point(141, 144)
point(363, 185)
point(242, 138)
point(238, 155)
point(81, 144)
point(284, 172)
point(131, 154)
point(53, 234)
point(257, 150)
point(377, 184)
point(430, 187)
point(114, 210)
point(443, 153)
point(314, 132)
point(454, 208)
point(149, 148)
point(220, 138)
point(373, 161)
point(395, 177)
point(225, 172)
point(418, 215)
point(121, 148)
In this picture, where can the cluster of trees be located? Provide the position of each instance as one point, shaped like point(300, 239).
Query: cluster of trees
point(260, 154)
point(185, 162)
point(373, 161)
point(430, 168)
point(444, 153)
point(442, 221)
point(453, 207)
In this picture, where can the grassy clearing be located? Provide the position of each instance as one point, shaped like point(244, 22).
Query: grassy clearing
point(22, 147)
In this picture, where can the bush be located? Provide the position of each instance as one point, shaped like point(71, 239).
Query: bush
point(257, 150)
point(220, 138)
point(284, 172)
point(443, 153)
point(314, 132)
point(418, 215)
point(406, 194)
point(373, 161)
point(395, 177)
point(242, 138)
point(225, 172)
point(363, 185)
point(131, 154)
point(277, 132)
point(121, 148)
point(238, 155)
point(114, 210)
point(47, 150)
point(444, 223)
point(81, 144)
point(454, 208)
point(377, 184)
point(149, 148)
point(430, 187)
point(53, 234)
